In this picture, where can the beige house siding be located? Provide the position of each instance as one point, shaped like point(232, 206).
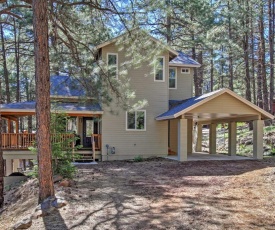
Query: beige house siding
point(173, 135)
point(184, 88)
point(129, 144)
point(226, 104)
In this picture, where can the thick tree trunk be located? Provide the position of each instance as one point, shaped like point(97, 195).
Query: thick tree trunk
point(17, 58)
point(247, 71)
point(42, 80)
point(200, 73)
point(2, 172)
point(212, 70)
point(262, 60)
point(252, 53)
point(195, 73)
point(5, 69)
point(246, 54)
point(259, 79)
point(271, 12)
point(230, 58)
point(222, 70)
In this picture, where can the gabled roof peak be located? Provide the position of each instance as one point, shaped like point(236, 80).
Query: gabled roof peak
point(179, 108)
point(183, 60)
point(115, 39)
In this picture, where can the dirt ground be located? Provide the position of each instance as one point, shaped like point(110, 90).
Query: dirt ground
point(158, 194)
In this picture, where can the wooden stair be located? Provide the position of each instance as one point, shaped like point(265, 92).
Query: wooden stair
point(86, 155)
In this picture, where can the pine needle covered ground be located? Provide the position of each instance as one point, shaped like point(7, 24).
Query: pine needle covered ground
point(158, 194)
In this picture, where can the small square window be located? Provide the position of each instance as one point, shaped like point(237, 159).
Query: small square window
point(185, 70)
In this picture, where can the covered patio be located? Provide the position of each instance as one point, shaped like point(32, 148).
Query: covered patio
point(221, 106)
point(83, 121)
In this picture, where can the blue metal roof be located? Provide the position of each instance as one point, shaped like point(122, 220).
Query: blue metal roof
point(66, 86)
point(177, 106)
point(19, 105)
point(66, 106)
point(183, 59)
point(69, 106)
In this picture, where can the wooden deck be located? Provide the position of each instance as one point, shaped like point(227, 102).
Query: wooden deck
point(22, 141)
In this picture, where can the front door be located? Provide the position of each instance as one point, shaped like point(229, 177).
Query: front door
point(88, 130)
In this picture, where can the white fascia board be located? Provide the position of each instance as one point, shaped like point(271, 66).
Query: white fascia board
point(184, 65)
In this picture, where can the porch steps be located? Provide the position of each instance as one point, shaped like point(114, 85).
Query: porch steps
point(86, 155)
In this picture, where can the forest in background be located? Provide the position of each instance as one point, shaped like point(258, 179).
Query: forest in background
point(232, 39)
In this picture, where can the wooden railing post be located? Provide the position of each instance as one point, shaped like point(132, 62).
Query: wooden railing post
point(93, 144)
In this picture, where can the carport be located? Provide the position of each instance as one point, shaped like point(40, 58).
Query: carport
point(221, 106)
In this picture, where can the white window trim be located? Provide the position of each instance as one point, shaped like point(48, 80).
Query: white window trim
point(138, 130)
point(116, 54)
point(189, 71)
point(163, 69)
point(176, 77)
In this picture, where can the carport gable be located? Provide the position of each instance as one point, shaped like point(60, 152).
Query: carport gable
point(217, 105)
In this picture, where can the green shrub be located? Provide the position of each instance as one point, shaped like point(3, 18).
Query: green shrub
point(34, 172)
point(62, 152)
point(138, 159)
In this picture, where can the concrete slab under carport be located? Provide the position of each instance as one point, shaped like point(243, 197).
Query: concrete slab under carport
point(202, 156)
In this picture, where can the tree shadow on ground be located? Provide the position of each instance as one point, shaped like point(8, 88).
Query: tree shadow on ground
point(54, 221)
point(163, 194)
point(206, 168)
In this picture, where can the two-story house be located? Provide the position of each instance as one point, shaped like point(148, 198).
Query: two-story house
point(169, 76)
point(164, 123)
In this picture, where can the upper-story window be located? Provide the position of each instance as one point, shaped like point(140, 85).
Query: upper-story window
point(112, 61)
point(185, 70)
point(159, 69)
point(136, 120)
point(172, 78)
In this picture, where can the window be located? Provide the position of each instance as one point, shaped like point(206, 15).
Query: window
point(185, 70)
point(159, 69)
point(71, 124)
point(112, 64)
point(172, 78)
point(136, 120)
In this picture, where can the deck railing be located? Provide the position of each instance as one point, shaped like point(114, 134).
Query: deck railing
point(17, 141)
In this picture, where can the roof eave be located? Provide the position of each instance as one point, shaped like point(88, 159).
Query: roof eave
point(17, 110)
point(106, 43)
point(165, 118)
point(65, 111)
point(185, 65)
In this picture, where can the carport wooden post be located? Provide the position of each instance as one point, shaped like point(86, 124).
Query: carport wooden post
point(232, 138)
point(199, 138)
point(212, 138)
point(182, 139)
point(189, 136)
point(8, 167)
point(258, 139)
